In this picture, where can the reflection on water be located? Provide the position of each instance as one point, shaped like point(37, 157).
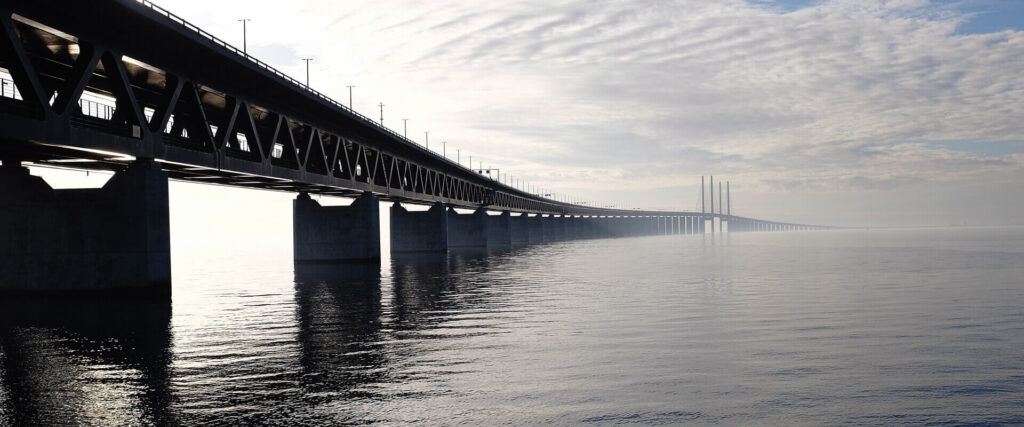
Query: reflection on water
point(343, 347)
point(774, 328)
point(82, 361)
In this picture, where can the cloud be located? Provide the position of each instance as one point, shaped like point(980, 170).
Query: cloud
point(658, 92)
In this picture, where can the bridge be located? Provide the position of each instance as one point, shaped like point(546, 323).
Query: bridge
point(127, 87)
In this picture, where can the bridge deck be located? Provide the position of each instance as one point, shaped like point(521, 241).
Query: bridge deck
point(95, 84)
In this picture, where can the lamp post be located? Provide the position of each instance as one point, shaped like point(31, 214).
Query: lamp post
point(426, 138)
point(307, 70)
point(350, 97)
point(458, 154)
point(444, 149)
point(244, 36)
point(405, 128)
point(381, 113)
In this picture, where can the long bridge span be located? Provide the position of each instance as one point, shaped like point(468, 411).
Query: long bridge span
point(125, 86)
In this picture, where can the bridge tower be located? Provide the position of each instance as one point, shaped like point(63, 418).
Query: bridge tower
point(702, 208)
point(721, 221)
point(712, 188)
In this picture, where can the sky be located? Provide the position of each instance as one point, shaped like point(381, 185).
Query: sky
point(839, 112)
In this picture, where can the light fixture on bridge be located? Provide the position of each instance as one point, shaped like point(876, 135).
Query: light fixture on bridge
point(307, 70)
point(245, 36)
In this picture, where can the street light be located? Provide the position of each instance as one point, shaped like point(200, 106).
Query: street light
point(405, 128)
point(444, 149)
point(458, 154)
point(350, 97)
point(307, 70)
point(381, 113)
point(426, 136)
point(244, 42)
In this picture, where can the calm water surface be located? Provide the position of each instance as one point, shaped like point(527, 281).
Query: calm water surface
point(851, 327)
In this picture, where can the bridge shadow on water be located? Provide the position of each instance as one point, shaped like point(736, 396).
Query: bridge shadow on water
point(83, 361)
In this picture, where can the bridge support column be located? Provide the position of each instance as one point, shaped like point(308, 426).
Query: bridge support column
point(322, 234)
point(589, 227)
point(558, 228)
point(519, 230)
point(578, 228)
point(548, 228)
point(498, 229)
point(115, 239)
point(419, 231)
point(535, 229)
point(467, 230)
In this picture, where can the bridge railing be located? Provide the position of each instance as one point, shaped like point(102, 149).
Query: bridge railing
point(298, 84)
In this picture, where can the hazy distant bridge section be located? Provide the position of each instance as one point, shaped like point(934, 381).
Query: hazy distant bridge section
point(125, 86)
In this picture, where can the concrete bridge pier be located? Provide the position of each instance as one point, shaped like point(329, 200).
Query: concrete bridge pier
point(612, 226)
point(548, 228)
point(605, 227)
point(467, 230)
point(561, 227)
point(419, 231)
point(322, 234)
point(519, 230)
point(535, 229)
point(498, 229)
point(570, 228)
point(114, 239)
point(592, 227)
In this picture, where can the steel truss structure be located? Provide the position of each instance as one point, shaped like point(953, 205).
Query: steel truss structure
point(161, 88)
